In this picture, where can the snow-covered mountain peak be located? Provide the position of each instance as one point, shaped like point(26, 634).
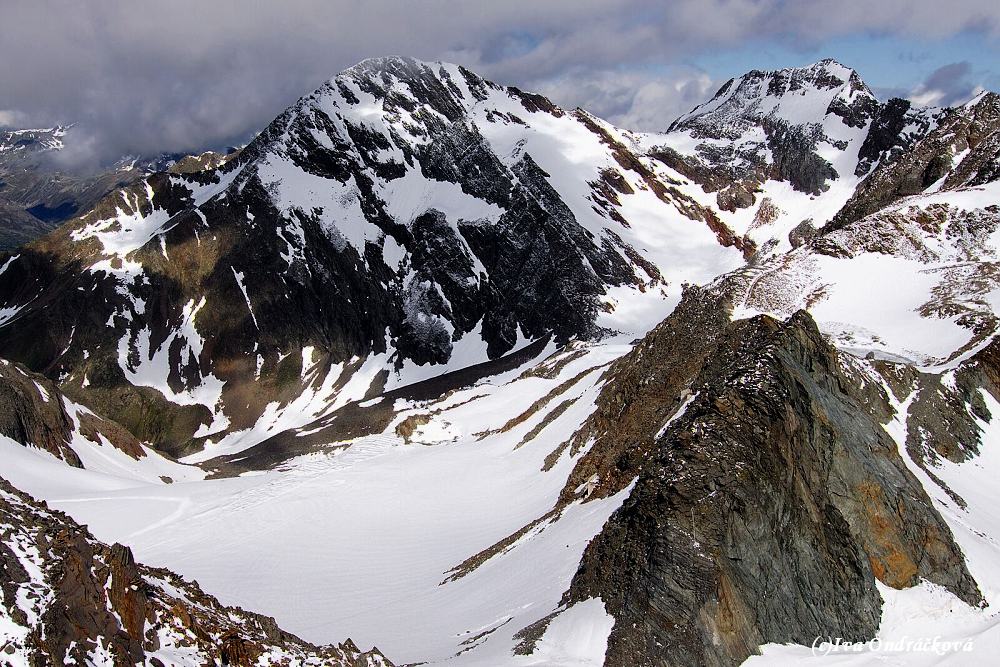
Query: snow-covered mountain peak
point(378, 64)
point(410, 214)
point(794, 133)
point(408, 219)
point(797, 96)
point(412, 255)
point(981, 96)
point(398, 83)
point(32, 139)
point(410, 99)
point(405, 69)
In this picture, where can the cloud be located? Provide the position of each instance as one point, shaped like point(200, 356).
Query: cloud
point(642, 100)
point(12, 118)
point(184, 75)
point(946, 86)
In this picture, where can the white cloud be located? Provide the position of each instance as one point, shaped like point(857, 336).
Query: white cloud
point(12, 118)
point(639, 100)
point(186, 74)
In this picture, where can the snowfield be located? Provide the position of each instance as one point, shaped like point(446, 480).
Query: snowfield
point(377, 528)
point(361, 542)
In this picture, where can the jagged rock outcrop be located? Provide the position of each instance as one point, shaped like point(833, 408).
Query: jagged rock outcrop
point(66, 598)
point(767, 504)
point(33, 412)
point(945, 411)
point(894, 130)
point(914, 150)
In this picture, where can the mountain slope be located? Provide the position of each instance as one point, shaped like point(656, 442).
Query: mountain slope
point(404, 209)
point(52, 440)
point(38, 193)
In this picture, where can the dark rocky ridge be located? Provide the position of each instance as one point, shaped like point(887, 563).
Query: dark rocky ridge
point(765, 512)
point(534, 272)
point(907, 164)
point(33, 413)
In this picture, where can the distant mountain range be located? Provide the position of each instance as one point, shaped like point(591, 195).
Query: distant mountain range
point(38, 193)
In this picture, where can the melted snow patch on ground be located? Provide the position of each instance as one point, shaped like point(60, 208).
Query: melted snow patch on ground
point(151, 367)
point(129, 229)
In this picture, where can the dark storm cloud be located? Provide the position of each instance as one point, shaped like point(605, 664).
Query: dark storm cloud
point(147, 77)
point(947, 85)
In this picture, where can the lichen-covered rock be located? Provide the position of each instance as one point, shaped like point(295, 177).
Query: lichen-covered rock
point(769, 496)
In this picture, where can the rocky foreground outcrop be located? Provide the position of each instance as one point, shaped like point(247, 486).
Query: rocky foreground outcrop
point(66, 598)
point(769, 499)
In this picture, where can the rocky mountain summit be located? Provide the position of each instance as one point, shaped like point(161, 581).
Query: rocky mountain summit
point(769, 502)
point(451, 217)
point(483, 380)
point(776, 125)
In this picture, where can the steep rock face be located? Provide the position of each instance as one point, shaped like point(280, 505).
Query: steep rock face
point(926, 151)
point(894, 130)
point(769, 503)
point(407, 212)
point(946, 411)
point(34, 413)
point(771, 125)
point(516, 231)
point(399, 209)
point(67, 598)
point(649, 385)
